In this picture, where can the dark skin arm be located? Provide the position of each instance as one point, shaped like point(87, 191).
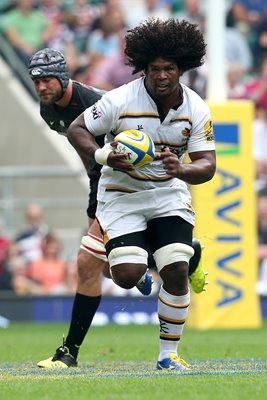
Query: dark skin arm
point(201, 169)
point(85, 145)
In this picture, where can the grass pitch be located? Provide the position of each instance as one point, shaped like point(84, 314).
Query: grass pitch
point(118, 362)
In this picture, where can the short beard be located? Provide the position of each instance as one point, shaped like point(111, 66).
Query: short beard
point(53, 99)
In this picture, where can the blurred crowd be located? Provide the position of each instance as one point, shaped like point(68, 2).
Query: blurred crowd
point(32, 263)
point(91, 35)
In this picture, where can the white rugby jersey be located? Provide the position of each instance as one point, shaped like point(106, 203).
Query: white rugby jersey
point(187, 129)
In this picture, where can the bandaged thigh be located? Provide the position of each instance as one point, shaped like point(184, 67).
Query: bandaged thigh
point(172, 253)
point(94, 245)
point(127, 254)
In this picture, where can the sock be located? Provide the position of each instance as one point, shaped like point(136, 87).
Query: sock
point(142, 279)
point(172, 312)
point(83, 311)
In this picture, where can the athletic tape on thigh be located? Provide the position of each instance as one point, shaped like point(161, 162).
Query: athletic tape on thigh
point(94, 245)
point(127, 254)
point(172, 253)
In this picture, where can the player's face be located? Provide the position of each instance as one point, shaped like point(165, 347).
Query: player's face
point(162, 79)
point(48, 89)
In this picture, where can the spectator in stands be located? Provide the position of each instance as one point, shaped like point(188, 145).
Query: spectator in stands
point(260, 44)
point(5, 276)
point(51, 9)
point(256, 88)
point(105, 41)
point(237, 53)
point(235, 82)
point(30, 240)
point(261, 286)
point(247, 14)
point(112, 71)
point(17, 267)
point(58, 35)
point(134, 13)
point(25, 28)
point(49, 272)
point(192, 12)
point(81, 16)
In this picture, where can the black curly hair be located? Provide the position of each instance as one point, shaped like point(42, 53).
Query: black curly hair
point(181, 41)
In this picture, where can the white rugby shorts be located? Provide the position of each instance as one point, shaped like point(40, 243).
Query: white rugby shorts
point(129, 213)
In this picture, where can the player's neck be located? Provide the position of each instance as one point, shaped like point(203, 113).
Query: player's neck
point(64, 101)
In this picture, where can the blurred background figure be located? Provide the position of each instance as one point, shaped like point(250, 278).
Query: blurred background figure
point(260, 146)
point(25, 28)
point(5, 276)
point(246, 15)
point(80, 15)
point(58, 34)
point(261, 286)
point(256, 87)
point(235, 81)
point(260, 43)
point(105, 41)
point(18, 268)
point(49, 272)
point(137, 11)
point(192, 11)
point(112, 71)
point(30, 240)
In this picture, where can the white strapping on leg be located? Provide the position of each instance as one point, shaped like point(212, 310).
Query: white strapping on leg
point(94, 245)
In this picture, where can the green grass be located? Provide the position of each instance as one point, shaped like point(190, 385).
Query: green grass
point(118, 362)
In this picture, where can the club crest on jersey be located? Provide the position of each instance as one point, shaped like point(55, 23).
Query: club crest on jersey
point(185, 132)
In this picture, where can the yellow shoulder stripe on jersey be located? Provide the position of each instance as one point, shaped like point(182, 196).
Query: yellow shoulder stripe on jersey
point(139, 115)
point(182, 119)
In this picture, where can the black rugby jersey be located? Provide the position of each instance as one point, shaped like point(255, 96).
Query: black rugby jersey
point(59, 118)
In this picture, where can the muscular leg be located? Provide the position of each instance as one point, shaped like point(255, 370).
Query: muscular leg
point(173, 304)
point(88, 295)
point(85, 305)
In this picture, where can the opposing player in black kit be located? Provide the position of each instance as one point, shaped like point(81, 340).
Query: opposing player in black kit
point(61, 101)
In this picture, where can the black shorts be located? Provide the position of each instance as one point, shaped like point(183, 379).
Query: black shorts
point(94, 176)
point(159, 233)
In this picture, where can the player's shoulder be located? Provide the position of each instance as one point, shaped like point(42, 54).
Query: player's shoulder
point(84, 86)
point(128, 90)
point(86, 90)
point(193, 99)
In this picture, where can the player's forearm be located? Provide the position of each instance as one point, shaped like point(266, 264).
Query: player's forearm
point(83, 142)
point(197, 172)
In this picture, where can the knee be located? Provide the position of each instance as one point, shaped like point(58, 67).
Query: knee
point(127, 275)
point(175, 275)
point(124, 272)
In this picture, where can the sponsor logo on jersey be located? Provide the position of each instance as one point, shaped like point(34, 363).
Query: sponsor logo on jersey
point(96, 113)
point(209, 131)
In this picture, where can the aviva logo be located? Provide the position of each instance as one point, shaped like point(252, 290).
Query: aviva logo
point(227, 139)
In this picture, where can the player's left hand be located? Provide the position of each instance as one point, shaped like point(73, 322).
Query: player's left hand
point(171, 163)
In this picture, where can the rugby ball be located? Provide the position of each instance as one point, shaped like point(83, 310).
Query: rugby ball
point(138, 147)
